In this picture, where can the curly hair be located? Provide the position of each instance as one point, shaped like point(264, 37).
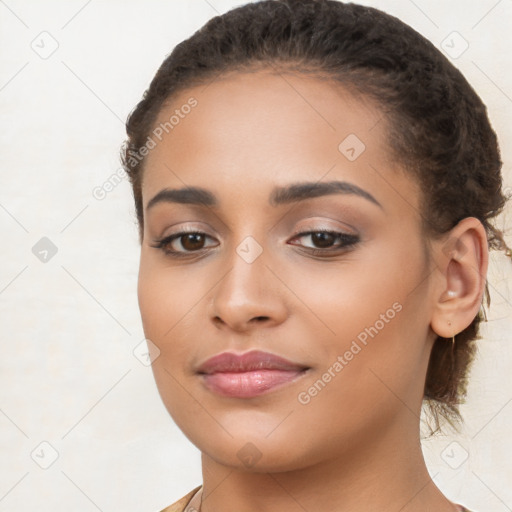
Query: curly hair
point(439, 128)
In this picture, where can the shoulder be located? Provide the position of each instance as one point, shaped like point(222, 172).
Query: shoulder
point(180, 505)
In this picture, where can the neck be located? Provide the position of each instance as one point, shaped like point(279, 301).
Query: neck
point(385, 471)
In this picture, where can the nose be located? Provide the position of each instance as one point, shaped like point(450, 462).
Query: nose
point(249, 295)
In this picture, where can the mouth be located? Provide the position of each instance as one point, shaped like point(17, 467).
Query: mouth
point(248, 375)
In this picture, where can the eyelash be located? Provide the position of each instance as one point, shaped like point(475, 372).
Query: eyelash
point(347, 242)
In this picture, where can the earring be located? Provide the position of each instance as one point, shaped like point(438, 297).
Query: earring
point(453, 339)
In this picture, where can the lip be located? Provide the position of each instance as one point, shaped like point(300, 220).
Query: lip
point(248, 375)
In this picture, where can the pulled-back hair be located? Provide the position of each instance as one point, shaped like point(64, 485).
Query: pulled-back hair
point(439, 128)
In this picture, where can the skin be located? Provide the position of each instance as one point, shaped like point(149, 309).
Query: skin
point(248, 134)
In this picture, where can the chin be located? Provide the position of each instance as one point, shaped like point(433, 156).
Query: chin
point(256, 455)
point(248, 447)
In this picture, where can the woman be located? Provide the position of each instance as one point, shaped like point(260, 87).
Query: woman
point(314, 184)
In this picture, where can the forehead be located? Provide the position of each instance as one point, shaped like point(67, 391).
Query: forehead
point(265, 102)
point(265, 127)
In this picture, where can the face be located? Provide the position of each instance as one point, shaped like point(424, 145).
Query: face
point(303, 274)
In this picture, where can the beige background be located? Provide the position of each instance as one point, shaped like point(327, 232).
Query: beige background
point(69, 326)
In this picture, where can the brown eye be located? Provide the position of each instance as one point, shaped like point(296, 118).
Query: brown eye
point(192, 241)
point(323, 239)
point(326, 241)
point(184, 243)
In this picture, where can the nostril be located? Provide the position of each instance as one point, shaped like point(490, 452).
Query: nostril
point(218, 321)
point(260, 318)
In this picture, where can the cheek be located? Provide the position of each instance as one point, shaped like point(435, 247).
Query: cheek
point(167, 298)
point(370, 320)
point(344, 299)
point(173, 309)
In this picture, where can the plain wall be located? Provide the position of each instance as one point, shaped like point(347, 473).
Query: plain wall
point(70, 324)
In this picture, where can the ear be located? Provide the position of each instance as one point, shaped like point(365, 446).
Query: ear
point(462, 259)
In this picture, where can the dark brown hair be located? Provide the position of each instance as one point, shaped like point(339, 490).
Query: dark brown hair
point(439, 128)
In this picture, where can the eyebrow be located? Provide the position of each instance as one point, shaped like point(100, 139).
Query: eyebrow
point(301, 191)
point(279, 196)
